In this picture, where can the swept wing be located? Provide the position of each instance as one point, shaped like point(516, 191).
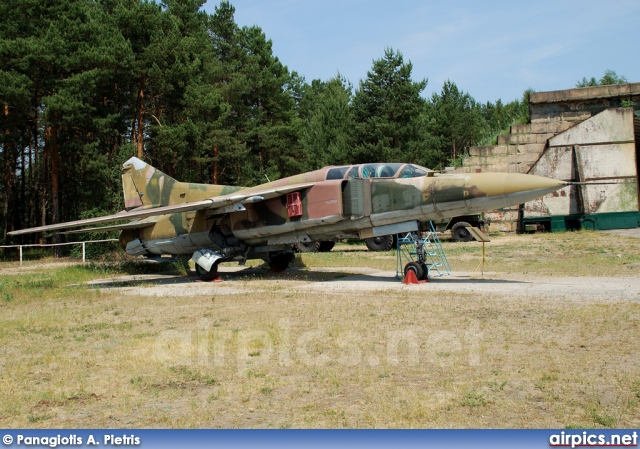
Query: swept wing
point(248, 195)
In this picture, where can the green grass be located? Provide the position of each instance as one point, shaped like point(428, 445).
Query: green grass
point(581, 253)
point(284, 354)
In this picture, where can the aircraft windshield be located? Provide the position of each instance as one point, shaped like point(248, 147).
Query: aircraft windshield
point(411, 171)
point(337, 173)
point(392, 170)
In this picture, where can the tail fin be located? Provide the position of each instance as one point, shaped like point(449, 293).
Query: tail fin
point(145, 185)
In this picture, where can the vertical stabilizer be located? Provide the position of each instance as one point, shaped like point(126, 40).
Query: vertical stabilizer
point(145, 185)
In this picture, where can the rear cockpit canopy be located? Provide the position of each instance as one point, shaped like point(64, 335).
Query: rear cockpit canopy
point(392, 170)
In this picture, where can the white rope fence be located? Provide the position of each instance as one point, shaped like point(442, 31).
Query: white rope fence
point(58, 244)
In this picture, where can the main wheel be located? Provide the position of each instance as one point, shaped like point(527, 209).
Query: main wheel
point(417, 269)
point(326, 246)
point(460, 233)
point(205, 275)
point(384, 243)
point(308, 247)
point(280, 262)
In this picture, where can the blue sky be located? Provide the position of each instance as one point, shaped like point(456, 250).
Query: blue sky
point(491, 49)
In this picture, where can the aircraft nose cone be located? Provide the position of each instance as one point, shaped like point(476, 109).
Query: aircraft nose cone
point(488, 191)
point(496, 184)
point(511, 189)
point(522, 183)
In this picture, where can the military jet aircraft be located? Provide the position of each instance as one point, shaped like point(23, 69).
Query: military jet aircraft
point(215, 223)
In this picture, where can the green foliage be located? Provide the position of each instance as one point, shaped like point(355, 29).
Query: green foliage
point(327, 119)
point(258, 135)
point(89, 84)
point(499, 117)
point(609, 77)
point(387, 111)
point(458, 121)
point(86, 85)
point(584, 82)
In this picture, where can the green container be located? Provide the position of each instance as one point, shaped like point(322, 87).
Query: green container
point(559, 223)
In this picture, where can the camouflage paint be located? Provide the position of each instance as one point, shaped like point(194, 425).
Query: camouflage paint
point(391, 201)
point(240, 223)
point(146, 186)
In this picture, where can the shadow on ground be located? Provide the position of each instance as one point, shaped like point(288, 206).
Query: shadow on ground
point(294, 274)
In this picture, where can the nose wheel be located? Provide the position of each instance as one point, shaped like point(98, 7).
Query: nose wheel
point(420, 269)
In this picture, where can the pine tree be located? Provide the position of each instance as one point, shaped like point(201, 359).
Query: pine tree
point(458, 121)
point(327, 122)
point(609, 77)
point(262, 139)
point(65, 61)
point(387, 109)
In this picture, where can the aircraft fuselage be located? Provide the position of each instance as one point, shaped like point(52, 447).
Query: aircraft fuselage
point(348, 206)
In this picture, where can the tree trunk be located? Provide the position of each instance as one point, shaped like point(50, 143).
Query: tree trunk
point(215, 163)
point(7, 179)
point(23, 188)
point(453, 154)
point(38, 166)
point(53, 154)
point(140, 136)
point(51, 149)
point(32, 190)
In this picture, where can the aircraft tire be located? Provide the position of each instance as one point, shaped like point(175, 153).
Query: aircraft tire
point(459, 233)
point(383, 243)
point(308, 247)
point(417, 269)
point(425, 272)
point(280, 262)
point(207, 275)
point(326, 246)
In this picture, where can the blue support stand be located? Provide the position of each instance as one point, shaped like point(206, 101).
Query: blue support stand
point(426, 250)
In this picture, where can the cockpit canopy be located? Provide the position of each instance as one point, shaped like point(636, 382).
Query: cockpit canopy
point(392, 170)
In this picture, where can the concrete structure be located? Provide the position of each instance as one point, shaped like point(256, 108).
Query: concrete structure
point(584, 134)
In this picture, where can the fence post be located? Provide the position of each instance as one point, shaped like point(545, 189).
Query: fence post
point(20, 255)
point(83, 251)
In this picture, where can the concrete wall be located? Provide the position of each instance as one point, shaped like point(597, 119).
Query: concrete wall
point(551, 146)
point(600, 149)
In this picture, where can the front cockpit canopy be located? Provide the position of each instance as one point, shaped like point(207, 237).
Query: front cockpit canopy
point(382, 170)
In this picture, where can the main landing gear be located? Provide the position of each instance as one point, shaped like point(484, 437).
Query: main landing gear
point(211, 275)
point(279, 261)
point(207, 262)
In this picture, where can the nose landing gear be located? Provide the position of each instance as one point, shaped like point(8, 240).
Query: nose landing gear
point(420, 270)
point(421, 255)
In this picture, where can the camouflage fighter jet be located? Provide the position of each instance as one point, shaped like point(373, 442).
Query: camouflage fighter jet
point(214, 223)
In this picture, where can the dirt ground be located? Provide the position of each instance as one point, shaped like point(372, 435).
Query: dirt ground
point(334, 344)
point(633, 232)
point(361, 281)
